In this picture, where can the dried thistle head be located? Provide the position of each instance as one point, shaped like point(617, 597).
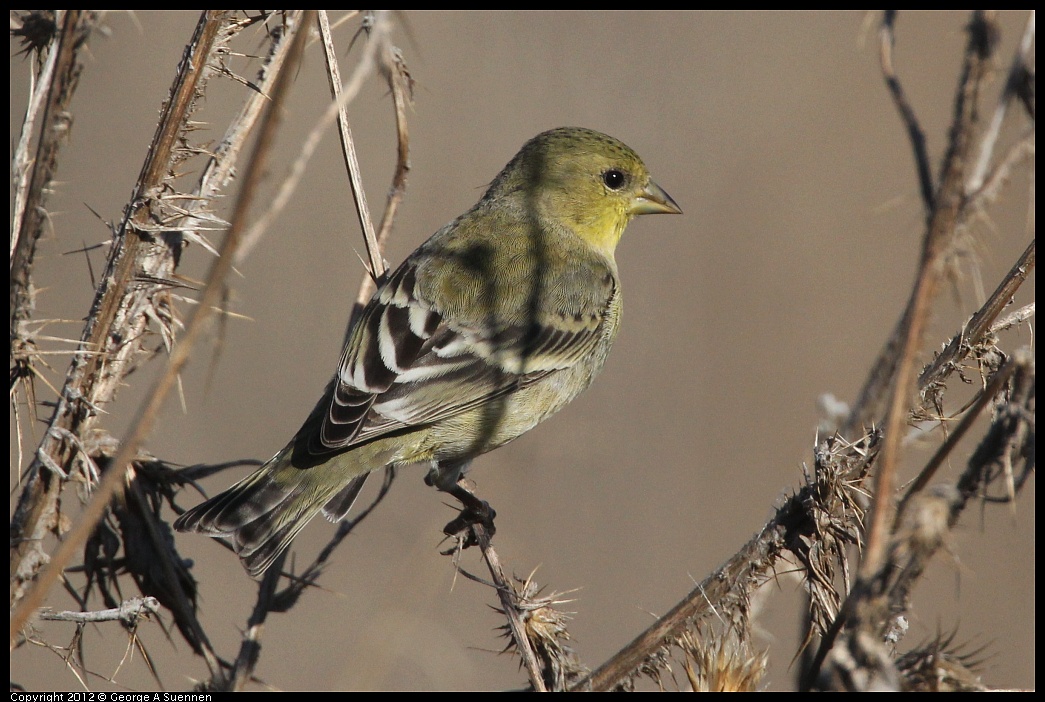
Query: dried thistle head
point(545, 628)
point(942, 666)
point(925, 524)
point(722, 663)
point(36, 28)
point(835, 507)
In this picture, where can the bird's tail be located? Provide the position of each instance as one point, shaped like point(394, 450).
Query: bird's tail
point(262, 513)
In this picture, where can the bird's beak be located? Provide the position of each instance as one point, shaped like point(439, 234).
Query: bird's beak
point(653, 200)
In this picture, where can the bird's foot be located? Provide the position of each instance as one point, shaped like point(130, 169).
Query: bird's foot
point(474, 512)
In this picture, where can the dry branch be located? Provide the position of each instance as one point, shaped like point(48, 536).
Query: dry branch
point(114, 332)
point(801, 526)
point(710, 630)
point(141, 251)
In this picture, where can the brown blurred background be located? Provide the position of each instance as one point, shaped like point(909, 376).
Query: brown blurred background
point(775, 134)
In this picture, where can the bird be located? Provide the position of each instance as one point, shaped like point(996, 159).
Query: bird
point(491, 326)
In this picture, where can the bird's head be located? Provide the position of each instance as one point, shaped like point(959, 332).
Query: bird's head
point(591, 182)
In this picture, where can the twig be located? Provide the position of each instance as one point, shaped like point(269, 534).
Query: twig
point(151, 559)
point(942, 222)
point(726, 592)
point(250, 648)
point(377, 27)
point(129, 612)
point(348, 93)
point(348, 147)
point(874, 396)
point(981, 322)
point(49, 108)
point(1017, 71)
point(113, 480)
point(1013, 320)
point(971, 415)
point(40, 82)
point(505, 593)
point(220, 169)
point(59, 78)
point(903, 106)
point(402, 88)
point(92, 377)
point(943, 218)
point(288, 596)
point(860, 659)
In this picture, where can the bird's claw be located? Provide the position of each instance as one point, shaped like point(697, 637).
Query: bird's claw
point(477, 512)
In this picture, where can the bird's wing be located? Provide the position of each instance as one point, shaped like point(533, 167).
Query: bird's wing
point(415, 359)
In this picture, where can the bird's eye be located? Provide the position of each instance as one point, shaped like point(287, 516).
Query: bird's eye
point(614, 179)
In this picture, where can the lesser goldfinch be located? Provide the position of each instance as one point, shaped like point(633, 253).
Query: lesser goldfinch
point(491, 326)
